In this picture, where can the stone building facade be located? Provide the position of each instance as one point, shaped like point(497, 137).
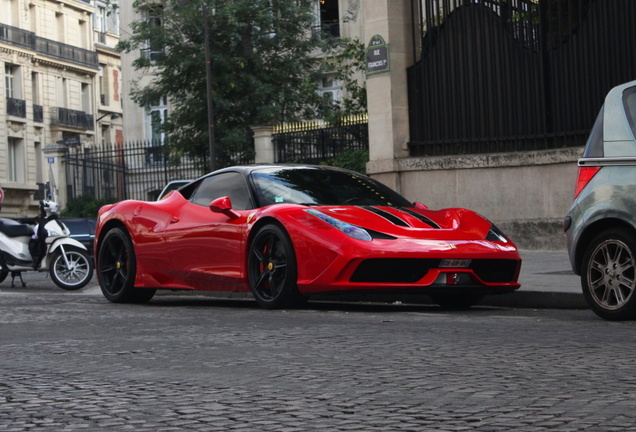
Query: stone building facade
point(60, 82)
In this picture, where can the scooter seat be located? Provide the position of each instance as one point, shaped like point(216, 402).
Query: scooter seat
point(11, 228)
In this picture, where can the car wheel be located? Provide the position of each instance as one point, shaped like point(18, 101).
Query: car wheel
point(456, 301)
point(3, 275)
point(71, 270)
point(608, 275)
point(272, 269)
point(117, 268)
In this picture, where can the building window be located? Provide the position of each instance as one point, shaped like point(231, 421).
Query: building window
point(35, 88)
point(83, 33)
point(154, 46)
point(15, 161)
point(106, 19)
point(101, 18)
point(59, 21)
point(330, 89)
point(326, 19)
point(86, 98)
point(62, 92)
point(12, 81)
point(105, 136)
point(33, 17)
point(103, 96)
point(39, 175)
point(155, 118)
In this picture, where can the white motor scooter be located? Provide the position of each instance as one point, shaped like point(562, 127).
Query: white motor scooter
point(45, 247)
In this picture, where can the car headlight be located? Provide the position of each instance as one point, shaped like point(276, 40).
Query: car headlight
point(350, 230)
point(495, 234)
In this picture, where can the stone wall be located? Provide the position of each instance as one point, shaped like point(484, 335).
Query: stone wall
point(526, 194)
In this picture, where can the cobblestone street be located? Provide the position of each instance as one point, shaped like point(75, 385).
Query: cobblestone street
point(72, 362)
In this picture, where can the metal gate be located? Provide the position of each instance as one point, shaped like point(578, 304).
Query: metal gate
point(511, 75)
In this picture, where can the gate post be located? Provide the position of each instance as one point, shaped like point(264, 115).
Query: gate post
point(263, 144)
point(387, 90)
point(55, 155)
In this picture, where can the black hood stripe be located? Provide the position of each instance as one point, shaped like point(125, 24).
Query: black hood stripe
point(386, 215)
point(421, 217)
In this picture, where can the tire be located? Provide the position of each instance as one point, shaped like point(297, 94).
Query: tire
point(76, 274)
point(456, 301)
point(608, 275)
point(271, 267)
point(3, 275)
point(117, 269)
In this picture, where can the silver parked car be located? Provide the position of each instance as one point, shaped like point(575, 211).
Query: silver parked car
point(601, 223)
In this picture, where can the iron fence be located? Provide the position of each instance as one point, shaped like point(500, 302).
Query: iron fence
point(140, 170)
point(137, 170)
point(508, 75)
point(317, 142)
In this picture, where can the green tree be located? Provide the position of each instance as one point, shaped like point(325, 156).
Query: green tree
point(262, 66)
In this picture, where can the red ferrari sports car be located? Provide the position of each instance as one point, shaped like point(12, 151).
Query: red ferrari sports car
point(287, 232)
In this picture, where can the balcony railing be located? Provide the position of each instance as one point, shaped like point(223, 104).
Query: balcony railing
point(326, 29)
point(16, 107)
point(72, 118)
point(152, 53)
point(38, 113)
point(66, 52)
point(48, 47)
point(16, 36)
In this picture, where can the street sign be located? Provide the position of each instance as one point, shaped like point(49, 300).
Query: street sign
point(377, 56)
point(51, 160)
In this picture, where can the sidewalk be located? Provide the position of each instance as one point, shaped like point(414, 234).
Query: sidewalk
point(547, 281)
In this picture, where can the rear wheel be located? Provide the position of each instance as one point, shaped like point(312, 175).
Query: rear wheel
point(272, 269)
point(608, 275)
point(3, 275)
point(456, 301)
point(71, 268)
point(117, 268)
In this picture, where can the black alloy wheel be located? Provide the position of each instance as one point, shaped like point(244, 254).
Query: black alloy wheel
point(608, 275)
point(272, 269)
point(116, 269)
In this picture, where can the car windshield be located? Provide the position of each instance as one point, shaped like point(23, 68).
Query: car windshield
point(317, 186)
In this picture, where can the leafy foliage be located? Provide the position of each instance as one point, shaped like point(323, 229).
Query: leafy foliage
point(355, 160)
point(263, 70)
point(85, 206)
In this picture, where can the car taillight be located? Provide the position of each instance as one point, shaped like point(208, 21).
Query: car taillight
point(585, 175)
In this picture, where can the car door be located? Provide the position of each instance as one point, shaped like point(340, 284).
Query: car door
point(206, 248)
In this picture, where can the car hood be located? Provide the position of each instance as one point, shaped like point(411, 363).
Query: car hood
point(453, 223)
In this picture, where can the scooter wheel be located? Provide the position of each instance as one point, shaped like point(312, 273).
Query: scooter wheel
point(76, 274)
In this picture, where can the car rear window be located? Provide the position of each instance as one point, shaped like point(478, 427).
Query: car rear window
point(629, 101)
point(594, 146)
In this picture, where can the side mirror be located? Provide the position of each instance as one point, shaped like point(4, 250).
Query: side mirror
point(224, 205)
point(419, 205)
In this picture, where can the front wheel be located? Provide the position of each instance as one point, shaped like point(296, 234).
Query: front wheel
point(117, 269)
point(271, 266)
point(608, 275)
point(3, 275)
point(71, 268)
